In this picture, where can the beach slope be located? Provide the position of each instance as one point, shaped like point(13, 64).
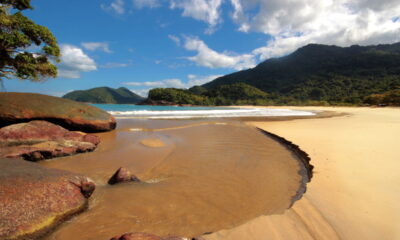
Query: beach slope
point(355, 190)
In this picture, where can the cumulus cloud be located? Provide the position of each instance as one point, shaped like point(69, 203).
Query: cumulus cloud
point(204, 10)
point(146, 3)
point(142, 88)
point(74, 61)
point(207, 57)
point(94, 46)
point(293, 24)
point(116, 6)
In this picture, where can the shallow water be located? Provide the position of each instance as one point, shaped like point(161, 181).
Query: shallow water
point(208, 176)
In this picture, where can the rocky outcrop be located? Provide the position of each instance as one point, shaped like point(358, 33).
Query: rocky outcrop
point(34, 199)
point(122, 175)
point(38, 140)
point(25, 107)
point(145, 236)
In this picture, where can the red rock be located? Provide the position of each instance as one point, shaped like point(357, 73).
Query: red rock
point(25, 107)
point(122, 175)
point(38, 140)
point(35, 199)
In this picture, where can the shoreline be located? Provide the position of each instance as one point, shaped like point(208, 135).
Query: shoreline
point(353, 150)
point(355, 185)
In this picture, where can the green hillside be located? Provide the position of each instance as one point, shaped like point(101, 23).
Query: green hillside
point(233, 94)
point(323, 74)
point(105, 95)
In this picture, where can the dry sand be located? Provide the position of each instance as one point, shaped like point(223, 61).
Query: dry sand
point(355, 191)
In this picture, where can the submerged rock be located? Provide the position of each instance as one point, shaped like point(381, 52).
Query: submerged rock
point(122, 175)
point(144, 236)
point(34, 199)
point(24, 107)
point(38, 140)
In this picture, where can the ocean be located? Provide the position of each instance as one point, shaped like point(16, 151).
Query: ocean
point(177, 112)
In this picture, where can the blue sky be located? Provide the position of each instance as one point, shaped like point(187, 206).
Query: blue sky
point(141, 44)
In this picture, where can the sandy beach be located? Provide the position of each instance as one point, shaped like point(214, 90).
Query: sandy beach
point(355, 189)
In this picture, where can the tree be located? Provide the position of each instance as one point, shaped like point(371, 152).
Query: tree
point(28, 51)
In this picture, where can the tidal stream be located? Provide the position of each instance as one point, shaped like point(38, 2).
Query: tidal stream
point(198, 177)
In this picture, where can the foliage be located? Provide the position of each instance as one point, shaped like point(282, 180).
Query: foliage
point(199, 90)
point(27, 50)
point(178, 96)
point(105, 95)
point(325, 74)
point(391, 98)
point(235, 94)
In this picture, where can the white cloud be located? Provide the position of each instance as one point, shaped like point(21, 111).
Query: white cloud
point(207, 57)
point(293, 24)
point(146, 3)
point(204, 10)
point(116, 6)
point(114, 65)
point(166, 83)
point(74, 61)
point(142, 88)
point(195, 80)
point(175, 39)
point(141, 92)
point(94, 46)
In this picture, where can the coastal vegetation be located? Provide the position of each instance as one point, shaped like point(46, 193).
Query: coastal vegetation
point(27, 50)
point(234, 94)
point(390, 98)
point(105, 95)
point(312, 75)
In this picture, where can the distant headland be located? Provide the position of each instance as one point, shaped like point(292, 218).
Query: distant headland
point(105, 95)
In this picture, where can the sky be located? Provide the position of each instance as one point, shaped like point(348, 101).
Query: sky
point(144, 44)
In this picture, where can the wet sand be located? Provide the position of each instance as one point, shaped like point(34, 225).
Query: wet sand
point(202, 176)
point(355, 189)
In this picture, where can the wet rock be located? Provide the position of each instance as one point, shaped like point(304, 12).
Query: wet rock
point(35, 199)
point(38, 140)
point(25, 107)
point(122, 175)
point(86, 185)
point(145, 236)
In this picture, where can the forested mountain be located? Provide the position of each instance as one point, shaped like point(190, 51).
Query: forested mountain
point(234, 94)
point(329, 74)
point(105, 95)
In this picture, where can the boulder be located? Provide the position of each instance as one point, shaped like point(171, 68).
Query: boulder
point(35, 199)
point(38, 140)
point(144, 236)
point(25, 107)
point(122, 175)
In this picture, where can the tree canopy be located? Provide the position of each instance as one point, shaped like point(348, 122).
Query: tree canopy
point(321, 74)
point(28, 51)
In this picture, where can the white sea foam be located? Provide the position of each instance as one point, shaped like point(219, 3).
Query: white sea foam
point(217, 113)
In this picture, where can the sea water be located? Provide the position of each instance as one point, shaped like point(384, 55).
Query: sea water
point(179, 112)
